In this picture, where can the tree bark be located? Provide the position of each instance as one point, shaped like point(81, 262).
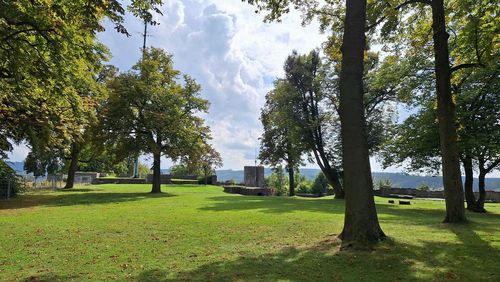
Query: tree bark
point(291, 179)
point(205, 170)
point(468, 185)
point(157, 167)
point(332, 176)
point(361, 226)
point(452, 180)
point(73, 166)
point(482, 190)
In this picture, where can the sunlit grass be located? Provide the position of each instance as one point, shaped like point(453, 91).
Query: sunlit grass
point(191, 232)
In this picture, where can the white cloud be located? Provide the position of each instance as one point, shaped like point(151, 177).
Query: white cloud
point(227, 48)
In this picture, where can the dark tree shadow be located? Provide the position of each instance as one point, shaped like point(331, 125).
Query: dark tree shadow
point(49, 278)
point(403, 214)
point(274, 204)
point(77, 198)
point(390, 261)
point(70, 190)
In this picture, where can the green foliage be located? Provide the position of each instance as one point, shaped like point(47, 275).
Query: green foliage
point(9, 179)
point(202, 160)
point(183, 170)
point(281, 141)
point(304, 187)
point(383, 183)
point(320, 185)
point(473, 27)
point(143, 170)
point(278, 181)
point(150, 111)
point(423, 187)
point(50, 59)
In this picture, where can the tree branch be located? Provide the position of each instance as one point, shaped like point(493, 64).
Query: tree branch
point(493, 165)
point(427, 2)
point(464, 66)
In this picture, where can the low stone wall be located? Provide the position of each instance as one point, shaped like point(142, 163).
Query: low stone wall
point(248, 191)
point(491, 196)
point(92, 175)
point(164, 179)
point(211, 180)
point(119, 181)
point(192, 179)
point(385, 192)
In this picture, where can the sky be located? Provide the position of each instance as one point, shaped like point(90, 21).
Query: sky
point(232, 53)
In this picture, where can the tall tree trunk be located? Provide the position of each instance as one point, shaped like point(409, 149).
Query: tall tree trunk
point(205, 173)
point(482, 190)
point(291, 179)
point(73, 165)
point(452, 180)
point(157, 167)
point(156, 173)
point(331, 175)
point(361, 226)
point(333, 179)
point(468, 185)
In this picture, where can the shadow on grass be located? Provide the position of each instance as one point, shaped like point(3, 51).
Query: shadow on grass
point(49, 278)
point(77, 198)
point(274, 204)
point(472, 259)
point(412, 215)
point(79, 190)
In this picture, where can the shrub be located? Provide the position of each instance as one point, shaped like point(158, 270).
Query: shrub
point(304, 187)
point(383, 183)
point(320, 184)
point(302, 184)
point(278, 181)
point(423, 187)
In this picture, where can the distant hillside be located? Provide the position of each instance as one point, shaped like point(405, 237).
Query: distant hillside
point(397, 179)
point(17, 166)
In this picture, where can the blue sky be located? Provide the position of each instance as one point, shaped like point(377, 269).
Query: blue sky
point(228, 49)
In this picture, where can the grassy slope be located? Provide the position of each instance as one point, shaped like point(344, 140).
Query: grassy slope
point(199, 233)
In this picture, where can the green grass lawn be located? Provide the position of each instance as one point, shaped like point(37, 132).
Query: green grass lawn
point(191, 232)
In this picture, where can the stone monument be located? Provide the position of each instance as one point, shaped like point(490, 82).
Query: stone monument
point(254, 176)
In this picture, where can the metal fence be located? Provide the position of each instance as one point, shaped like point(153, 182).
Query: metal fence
point(10, 186)
point(5, 188)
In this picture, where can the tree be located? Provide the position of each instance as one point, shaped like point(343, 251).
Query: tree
point(46, 50)
point(471, 24)
point(415, 142)
point(42, 161)
point(281, 140)
point(83, 140)
point(450, 162)
point(479, 132)
point(143, 170)
point(148, 111)
point(209, 161)
point(303, 73)
point(277, 181)
point(202, 160)
point(361, 225)
point(361, 222)
point(320, 184)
